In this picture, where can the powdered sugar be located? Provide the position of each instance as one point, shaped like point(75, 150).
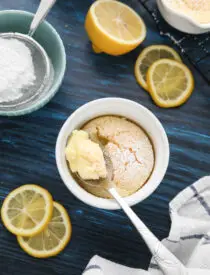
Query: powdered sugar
point(192, 4)
point(16, 69)
point(199, 10)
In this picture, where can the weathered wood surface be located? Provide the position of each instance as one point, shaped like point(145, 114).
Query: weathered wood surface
point(27, 147)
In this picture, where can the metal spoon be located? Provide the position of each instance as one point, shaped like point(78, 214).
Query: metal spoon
point(42, 65)
point(167, 262)
point(42, 11)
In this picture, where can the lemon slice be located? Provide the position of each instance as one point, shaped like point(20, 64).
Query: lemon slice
point(170, 83)
point(53, 239)
point(148, 56)
point(113, 27)
point(27, 210)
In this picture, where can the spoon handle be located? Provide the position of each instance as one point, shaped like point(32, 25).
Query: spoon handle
point(42, 11)
point(167, 262)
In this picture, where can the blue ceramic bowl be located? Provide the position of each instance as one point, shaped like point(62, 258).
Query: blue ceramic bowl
point(49, 39)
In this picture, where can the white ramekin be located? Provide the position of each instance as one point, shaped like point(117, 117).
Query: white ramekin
point(180, 21)
point(127, 109)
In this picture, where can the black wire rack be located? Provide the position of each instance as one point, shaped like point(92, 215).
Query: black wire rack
point(195, 47)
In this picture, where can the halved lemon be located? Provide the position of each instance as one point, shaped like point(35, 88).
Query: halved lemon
point(27, 210)
point(113, 27)
point(53, 239)
point(148, 56)
point(170, 83)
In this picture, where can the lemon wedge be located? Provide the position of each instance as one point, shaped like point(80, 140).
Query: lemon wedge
point(170, 83)
point(27, 210)
point(113, 27)
point(148, 56)
point(53, 239)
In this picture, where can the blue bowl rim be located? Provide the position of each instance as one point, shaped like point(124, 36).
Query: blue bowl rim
point(53, 90)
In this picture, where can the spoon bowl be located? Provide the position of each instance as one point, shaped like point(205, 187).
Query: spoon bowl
point(104, 183)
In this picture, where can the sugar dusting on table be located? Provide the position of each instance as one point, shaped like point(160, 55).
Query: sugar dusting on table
point(16, 69)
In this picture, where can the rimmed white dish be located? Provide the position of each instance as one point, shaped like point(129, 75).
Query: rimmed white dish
point(132, 111)
point(181, 21)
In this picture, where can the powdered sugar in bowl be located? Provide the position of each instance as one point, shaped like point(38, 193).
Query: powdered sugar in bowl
point(43, 70)
point(17, 69)
point(26, 70)
point(131, 111)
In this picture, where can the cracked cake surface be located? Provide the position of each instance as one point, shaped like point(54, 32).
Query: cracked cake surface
point(130, 150)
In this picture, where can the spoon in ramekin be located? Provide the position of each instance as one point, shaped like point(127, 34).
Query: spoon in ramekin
point(167, 262)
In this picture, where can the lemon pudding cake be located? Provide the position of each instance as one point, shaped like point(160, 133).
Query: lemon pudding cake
point(130, 150)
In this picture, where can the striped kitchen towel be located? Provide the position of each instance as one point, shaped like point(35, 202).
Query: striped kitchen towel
point(189, 237)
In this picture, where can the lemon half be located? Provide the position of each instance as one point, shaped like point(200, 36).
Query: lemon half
point(113, 27)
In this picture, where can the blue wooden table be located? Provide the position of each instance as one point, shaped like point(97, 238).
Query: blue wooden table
point(27, 149)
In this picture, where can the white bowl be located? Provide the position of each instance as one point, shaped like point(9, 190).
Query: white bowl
point(180, 21)
point(120, 107)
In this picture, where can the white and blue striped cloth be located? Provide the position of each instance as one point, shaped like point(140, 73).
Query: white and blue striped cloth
point(189, 237)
